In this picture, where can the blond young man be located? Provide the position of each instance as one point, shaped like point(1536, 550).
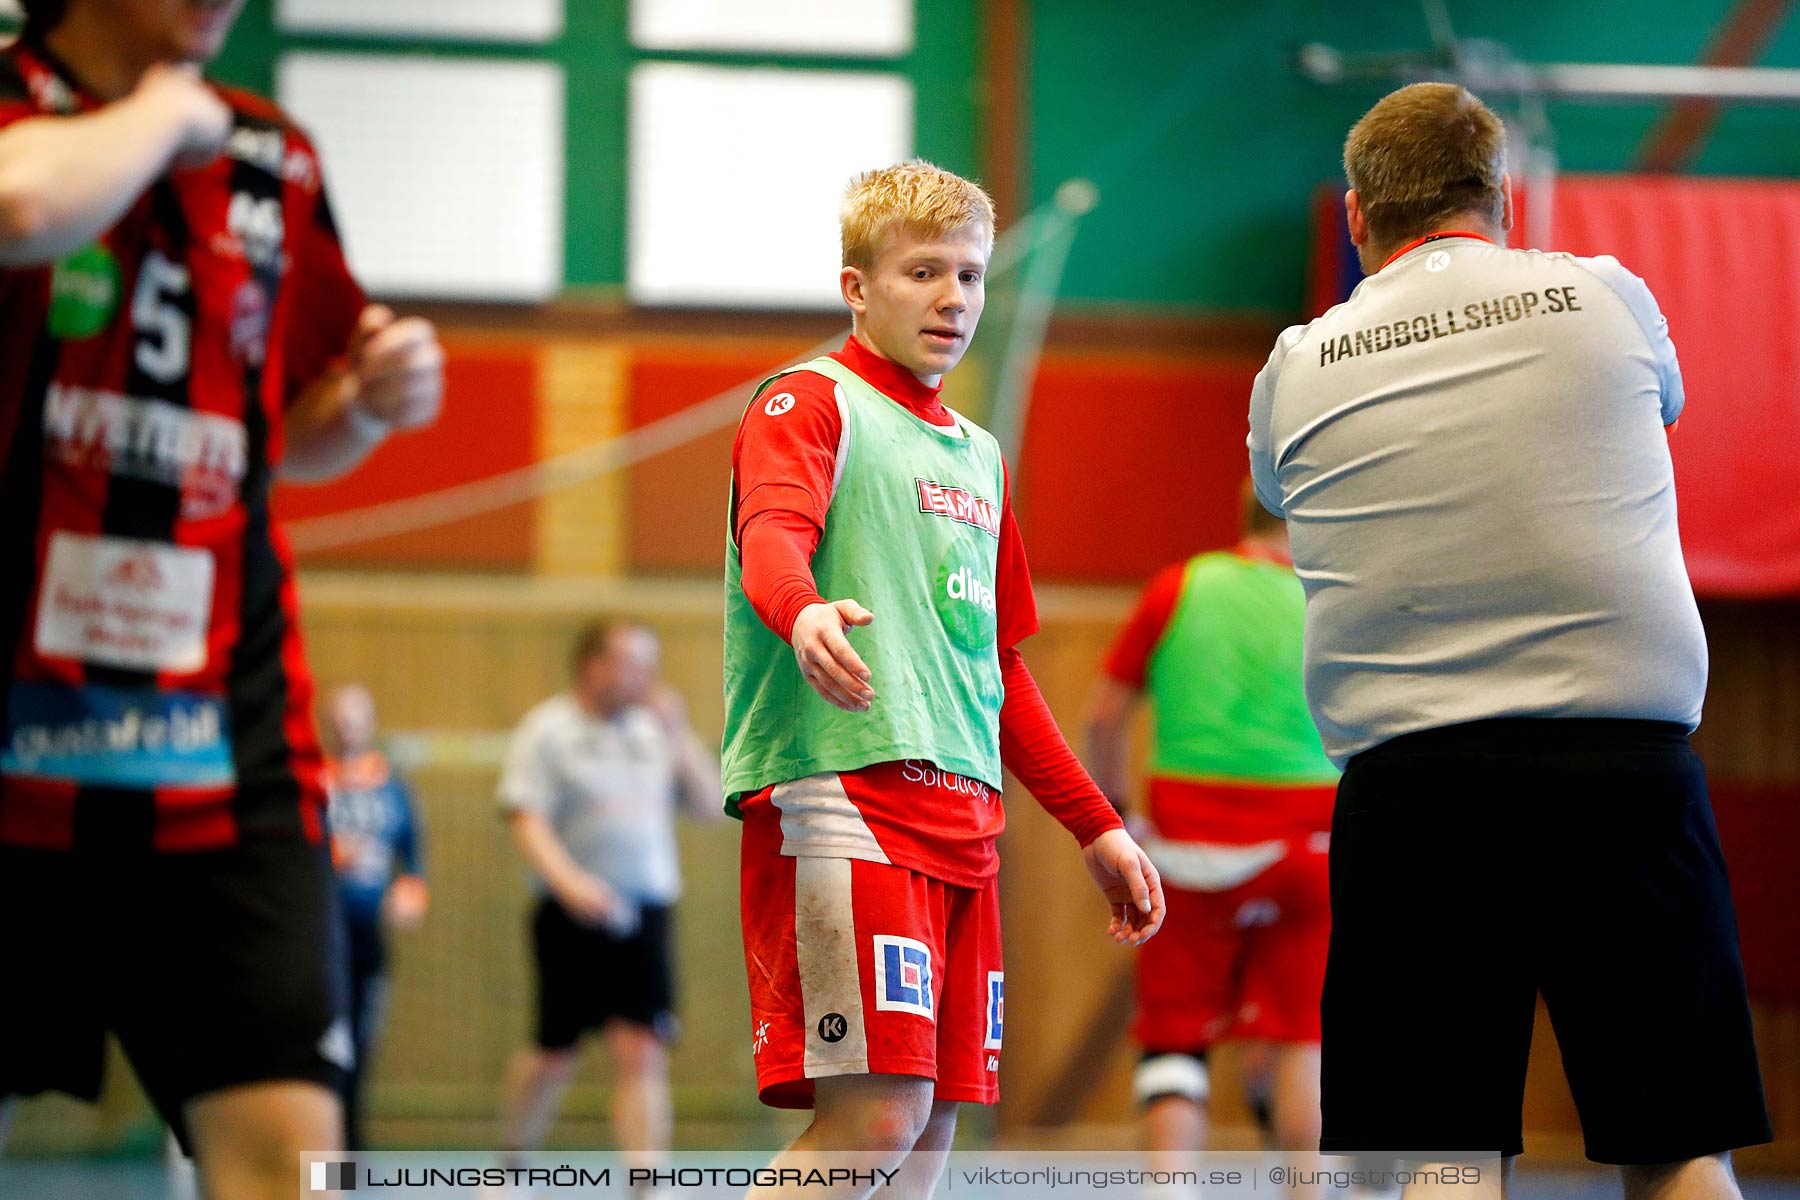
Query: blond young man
point(1503, 647)
point(867, 775)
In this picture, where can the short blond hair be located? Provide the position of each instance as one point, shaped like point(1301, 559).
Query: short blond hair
point(915, 196)
point(1424, 153)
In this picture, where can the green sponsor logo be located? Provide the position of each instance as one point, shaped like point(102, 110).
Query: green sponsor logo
point(964, 598)
point(84, 293)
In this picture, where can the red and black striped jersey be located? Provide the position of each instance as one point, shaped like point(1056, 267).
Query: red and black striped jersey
point(158, 695)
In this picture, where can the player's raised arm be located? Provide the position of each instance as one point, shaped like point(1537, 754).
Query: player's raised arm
point(65, 179)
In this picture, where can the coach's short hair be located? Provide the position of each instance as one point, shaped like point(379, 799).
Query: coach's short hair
point(41, 16)
point(914, 196)
point(595, 639)
point(1424, 153)
point(591, 642)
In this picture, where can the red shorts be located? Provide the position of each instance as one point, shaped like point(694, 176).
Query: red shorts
point(1245, 962)
point(863, 968)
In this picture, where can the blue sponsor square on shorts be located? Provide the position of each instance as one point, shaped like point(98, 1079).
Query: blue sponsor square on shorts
point(903, 976)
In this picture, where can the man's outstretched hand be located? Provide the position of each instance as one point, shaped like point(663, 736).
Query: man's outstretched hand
point(830, 665)
point(1129, 881)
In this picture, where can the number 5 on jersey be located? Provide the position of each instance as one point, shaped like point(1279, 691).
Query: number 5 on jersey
point(162, 325)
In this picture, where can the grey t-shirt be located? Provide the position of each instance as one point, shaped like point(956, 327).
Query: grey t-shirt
point(1470, 455)
point(607, 788)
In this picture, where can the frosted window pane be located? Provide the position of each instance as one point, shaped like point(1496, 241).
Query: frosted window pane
point(708, 222)
point(446, 174)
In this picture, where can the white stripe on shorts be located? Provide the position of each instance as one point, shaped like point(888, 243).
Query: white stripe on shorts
point(837, 1040)
point(819, 818)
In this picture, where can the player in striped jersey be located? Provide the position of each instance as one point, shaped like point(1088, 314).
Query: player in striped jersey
point(177, 325)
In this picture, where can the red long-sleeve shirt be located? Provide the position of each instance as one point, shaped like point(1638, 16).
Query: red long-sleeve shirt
point(784, 464)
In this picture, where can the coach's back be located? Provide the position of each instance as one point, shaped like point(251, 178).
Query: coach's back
point(1471, 458)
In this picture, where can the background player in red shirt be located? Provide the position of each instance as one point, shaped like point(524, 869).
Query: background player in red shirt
point(1239, 819)
point(869, 903)
point(177, 323)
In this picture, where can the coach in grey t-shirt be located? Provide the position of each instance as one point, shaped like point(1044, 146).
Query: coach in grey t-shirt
point(1470, 456)
point(1503, 650)
point(590, 787)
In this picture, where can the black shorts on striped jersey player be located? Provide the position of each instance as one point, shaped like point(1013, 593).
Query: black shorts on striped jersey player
point(214, 969)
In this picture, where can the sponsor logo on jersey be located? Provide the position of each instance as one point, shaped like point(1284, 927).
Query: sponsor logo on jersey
point(779, 404)
point(250, 323)
point(942, 500)
point(964, 598)
point(255, 229)
point(918, 770)
point(205, 455)
point(996, 1013)
point(1437, 260)
point(124, 602)
point(84, 293)
point(967, 585)
point(262, 148)
point(268, 150)
point(139, 572)
point(903, 976)
point(106, 736)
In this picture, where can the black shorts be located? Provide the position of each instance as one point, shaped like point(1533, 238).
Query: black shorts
point(214, 968)
point(1475, 866)
point(587, 976)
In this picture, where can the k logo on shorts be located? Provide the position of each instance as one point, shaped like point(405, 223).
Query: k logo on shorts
point(833, 1027)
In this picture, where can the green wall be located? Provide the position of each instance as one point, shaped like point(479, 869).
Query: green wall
point(1206, 144)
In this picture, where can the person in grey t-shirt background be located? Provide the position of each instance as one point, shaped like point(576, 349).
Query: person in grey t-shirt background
point(1503, 650)
point(592, 781)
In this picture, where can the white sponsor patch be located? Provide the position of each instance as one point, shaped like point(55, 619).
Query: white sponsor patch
point(125, 602)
